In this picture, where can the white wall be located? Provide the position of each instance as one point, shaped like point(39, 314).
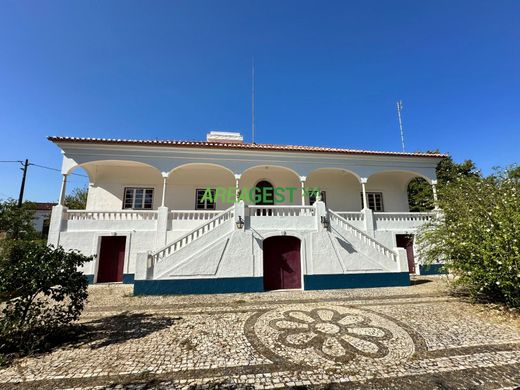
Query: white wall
point(39, 218)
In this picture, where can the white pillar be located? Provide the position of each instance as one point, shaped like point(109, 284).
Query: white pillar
point(364, 190)
point(435, 199)
point(302, 182)
point(163, 215)
point(237, 189)
point(165, 178)
point(63, 189)
point(55, 225)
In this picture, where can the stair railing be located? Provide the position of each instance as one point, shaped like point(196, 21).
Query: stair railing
point(364, 237)
point(192, 235)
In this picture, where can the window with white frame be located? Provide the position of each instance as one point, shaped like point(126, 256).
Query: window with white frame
point(374, 201)
point(138, 198)
point(204, 204)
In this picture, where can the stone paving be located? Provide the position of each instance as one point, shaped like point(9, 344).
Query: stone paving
point(403, 337)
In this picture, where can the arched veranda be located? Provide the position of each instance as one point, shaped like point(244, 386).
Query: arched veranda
point(186, 183)
point(121, 184)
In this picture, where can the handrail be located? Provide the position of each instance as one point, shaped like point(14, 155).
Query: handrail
point(363, 236)
point(192, 235)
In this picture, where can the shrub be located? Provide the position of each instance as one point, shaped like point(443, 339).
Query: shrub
point(16, 222)
point(41, 291)
point(478, 236)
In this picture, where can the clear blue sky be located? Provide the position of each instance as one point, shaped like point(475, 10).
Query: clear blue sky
point(328, 73)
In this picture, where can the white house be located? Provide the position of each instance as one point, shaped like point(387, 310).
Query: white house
point(42, 216)
point(151, 218)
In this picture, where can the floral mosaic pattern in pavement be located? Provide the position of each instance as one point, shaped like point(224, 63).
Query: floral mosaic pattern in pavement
point(337, 336)
point(331, 335)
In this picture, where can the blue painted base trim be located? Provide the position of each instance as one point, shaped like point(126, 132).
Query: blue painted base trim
point(198, 286)
point(339, 281)
point(128, 278)
point(256, 284)
point(432, 269)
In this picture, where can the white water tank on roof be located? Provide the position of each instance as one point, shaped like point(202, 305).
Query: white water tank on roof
point(224, 137)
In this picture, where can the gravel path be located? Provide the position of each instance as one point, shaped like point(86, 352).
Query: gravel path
point(402, 337)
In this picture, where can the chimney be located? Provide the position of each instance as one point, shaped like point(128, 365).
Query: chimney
point(225, 137)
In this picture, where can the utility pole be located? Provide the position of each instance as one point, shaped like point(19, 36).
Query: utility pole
point(22, 187)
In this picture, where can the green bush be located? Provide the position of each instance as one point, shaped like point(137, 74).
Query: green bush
point(478, 236)
point(16, 222)
point(41, 291)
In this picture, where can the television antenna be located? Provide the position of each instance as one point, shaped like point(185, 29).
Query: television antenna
point(253, 101)
point(399, 109)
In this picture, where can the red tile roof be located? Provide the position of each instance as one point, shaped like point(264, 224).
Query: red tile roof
point(42, 205)
point(239, 146)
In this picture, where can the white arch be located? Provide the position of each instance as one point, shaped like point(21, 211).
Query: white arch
point(411, 172)
point(87, 166)
point(187, 165)
point(350, 172)
point(272, 166)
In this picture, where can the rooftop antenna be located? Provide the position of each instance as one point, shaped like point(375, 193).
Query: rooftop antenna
point(399, 109)
point(253, 102)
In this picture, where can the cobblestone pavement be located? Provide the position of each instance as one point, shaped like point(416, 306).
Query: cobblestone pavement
point(404, 337)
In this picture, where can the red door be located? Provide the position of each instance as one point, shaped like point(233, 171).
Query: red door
point(111, 259)
point(282, 266)
point(406, 241)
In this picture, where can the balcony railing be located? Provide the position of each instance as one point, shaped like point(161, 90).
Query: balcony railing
point(119, 215)
point(281, 217)
point(258, 217)
point(281, 211)
point(398, 221)
point(88, 220)
point(194, 215)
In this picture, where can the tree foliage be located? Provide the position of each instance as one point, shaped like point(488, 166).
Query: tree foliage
point(420, 194)
point(17, 223)
point(41, 290)
point(478, 235)
point(78, 199)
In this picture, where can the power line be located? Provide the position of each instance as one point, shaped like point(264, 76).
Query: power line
point(56, 169)
point(41, 166)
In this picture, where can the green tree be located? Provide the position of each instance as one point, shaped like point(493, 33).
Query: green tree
point(16, 223)
point(78, 199)
point(478, 236)
point(42, 290)
point(420, 195)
